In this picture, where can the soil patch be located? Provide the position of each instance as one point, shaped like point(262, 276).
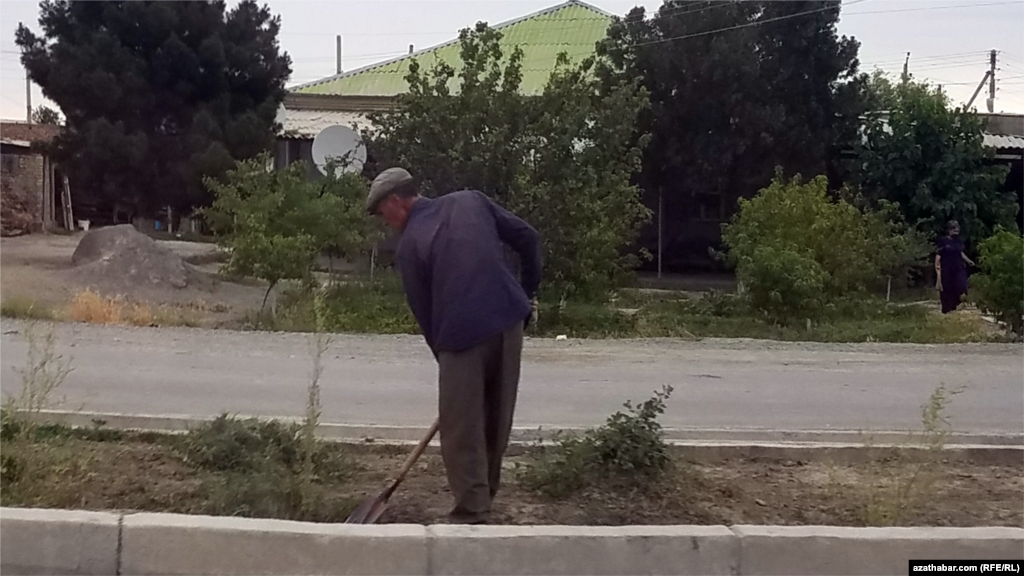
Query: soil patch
point(148, 472)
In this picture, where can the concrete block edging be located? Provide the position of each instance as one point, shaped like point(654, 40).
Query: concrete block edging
point(42, 541)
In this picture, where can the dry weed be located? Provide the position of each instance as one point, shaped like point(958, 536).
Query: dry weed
point(92, 308)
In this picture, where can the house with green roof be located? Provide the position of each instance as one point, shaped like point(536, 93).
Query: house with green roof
point(572, 27)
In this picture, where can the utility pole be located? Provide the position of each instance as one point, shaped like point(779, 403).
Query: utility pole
point(341, 48)
point(991, 102)
point(906, 69)
point(661, 209)
point(28, 98)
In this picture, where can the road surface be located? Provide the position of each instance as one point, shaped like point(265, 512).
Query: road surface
point(390, 380)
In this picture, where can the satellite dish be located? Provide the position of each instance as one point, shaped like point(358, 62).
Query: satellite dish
point(282, 115)
point(342, 145)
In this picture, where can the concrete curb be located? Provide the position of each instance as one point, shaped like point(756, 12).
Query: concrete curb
point(72, 542)
point(386, 433)
point(702, 445)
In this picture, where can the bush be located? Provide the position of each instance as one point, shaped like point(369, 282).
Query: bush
point(230, 444)
point(266, 468)
point(793, 243)
point(628, 448)
point(999, 289)
point(783, 283)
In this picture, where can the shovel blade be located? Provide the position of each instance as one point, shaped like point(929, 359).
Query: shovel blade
point(368, 512)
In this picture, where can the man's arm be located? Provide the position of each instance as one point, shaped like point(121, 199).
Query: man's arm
point(525, 241)
point(418, 292)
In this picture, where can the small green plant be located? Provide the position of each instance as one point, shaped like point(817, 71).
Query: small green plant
point(41, 377)
point(319, 345)
point(628, 448)
point(999, 288)
point(27, 308)
point(242, 445)
point(899, 482)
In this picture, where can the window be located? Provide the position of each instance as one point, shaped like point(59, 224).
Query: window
point(10, 162)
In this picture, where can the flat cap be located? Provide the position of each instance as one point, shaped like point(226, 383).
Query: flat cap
point(384, 185)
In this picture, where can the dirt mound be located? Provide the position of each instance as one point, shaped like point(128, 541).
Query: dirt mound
point(122, 257)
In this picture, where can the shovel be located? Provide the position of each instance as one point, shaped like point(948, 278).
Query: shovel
point(371, 509)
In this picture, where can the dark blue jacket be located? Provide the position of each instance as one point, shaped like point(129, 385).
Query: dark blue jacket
point(458, 282)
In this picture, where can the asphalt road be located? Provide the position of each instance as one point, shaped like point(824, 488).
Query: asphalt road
point(390, 380)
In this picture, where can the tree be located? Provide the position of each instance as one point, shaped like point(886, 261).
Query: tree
point(930, 159)
point(276, 222)
point(736, 89)
point(562, 160)
point(46, 115)
point(156, 95)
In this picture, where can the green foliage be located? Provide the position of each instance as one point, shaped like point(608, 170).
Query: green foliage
point(231, 444)
point(628, 447)
point(265, 468)
point(46, 115)
point(999, 289)
point(23, 307)
point(156, 95)
point(795, 249)
point(352, 305)
point(784, 283)
point(276, 222)
point(727, 107)
point(929, 159)
point(562, 160)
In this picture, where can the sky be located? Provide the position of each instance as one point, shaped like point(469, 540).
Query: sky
point(948, 40)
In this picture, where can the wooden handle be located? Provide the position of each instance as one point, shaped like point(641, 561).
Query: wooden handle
point(414, 456)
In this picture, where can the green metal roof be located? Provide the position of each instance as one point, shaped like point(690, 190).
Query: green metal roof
point(572, 27)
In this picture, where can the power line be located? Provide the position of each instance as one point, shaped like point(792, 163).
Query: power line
point(933, 8)
point(747, 25)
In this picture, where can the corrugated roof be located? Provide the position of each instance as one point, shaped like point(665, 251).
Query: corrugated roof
point(573, 27)
point(309, 123)
point(1001, 141)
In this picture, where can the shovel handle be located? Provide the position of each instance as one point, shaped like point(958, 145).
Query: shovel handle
point(414, 456)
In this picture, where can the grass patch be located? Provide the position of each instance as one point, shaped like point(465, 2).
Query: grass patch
point(718, 315)
point(360, 306)
point(92, 308)
point(353, 305)
point(23, 307)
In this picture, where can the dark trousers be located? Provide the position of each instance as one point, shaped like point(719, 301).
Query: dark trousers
point(477, 399)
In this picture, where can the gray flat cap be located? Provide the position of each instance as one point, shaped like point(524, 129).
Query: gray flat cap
point(384, 185)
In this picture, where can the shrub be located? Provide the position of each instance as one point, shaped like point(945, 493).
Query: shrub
point(251, 445)
point(628, 448)
point(999, 289)
point(782, 282)
point(792, 242)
